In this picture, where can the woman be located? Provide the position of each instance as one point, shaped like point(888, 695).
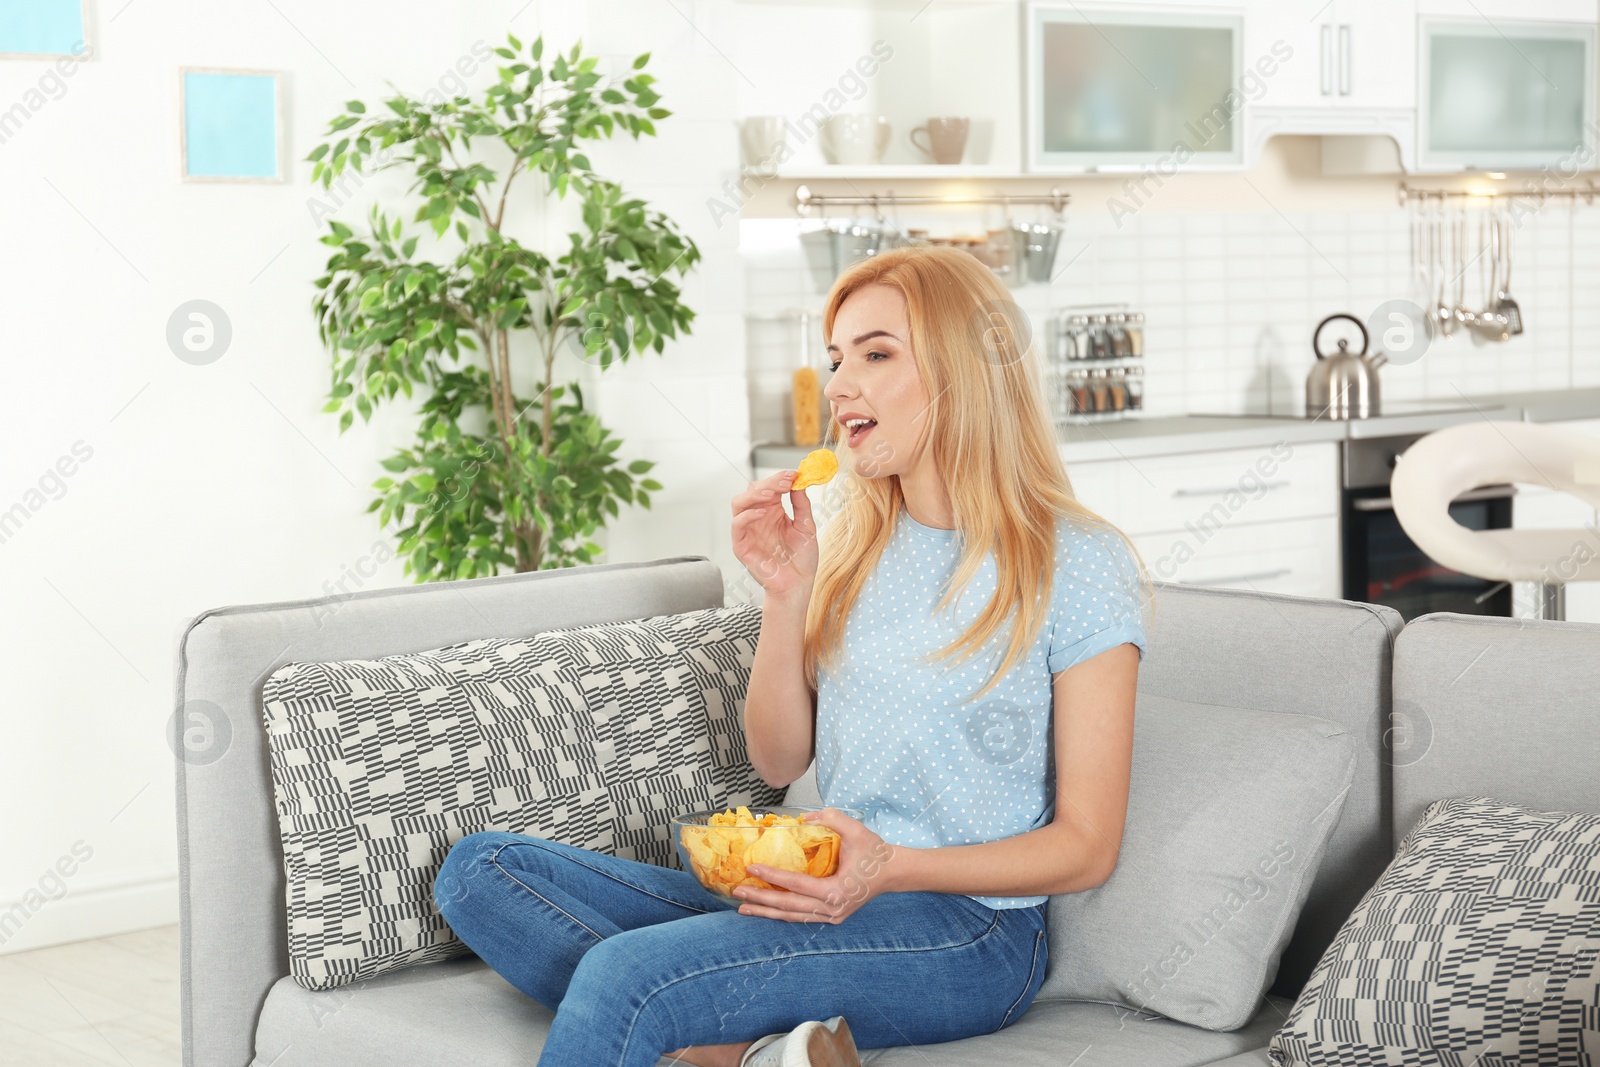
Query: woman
point(959, 658)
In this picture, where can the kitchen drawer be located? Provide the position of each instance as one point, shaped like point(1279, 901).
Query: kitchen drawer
point(1207, 490)
point(1298, 556)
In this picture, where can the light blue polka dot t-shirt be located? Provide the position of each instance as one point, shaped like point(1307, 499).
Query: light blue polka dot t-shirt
point(903, 743)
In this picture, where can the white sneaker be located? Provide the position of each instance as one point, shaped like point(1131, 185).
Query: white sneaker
point(811, 1044)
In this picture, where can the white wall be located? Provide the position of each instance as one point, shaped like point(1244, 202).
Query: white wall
point(224, 484)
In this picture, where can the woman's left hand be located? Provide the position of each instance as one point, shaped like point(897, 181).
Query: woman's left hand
point(862, 873)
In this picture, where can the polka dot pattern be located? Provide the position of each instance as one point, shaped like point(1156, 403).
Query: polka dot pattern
point(902, 740)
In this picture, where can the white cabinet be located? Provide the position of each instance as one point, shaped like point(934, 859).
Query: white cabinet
point(1125, 86)
point(1349, 70)
point(1538, 507)
point(1349, 54)
point(1251, 518)
point(1501, 93)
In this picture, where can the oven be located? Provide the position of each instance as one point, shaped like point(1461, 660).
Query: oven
point(1383, 566)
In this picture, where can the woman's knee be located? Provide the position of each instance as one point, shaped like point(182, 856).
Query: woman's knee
point(468, 862)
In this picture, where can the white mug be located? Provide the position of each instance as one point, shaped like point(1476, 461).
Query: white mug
point(854, 138)
point(761, 138)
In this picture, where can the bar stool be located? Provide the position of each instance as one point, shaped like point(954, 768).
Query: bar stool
point(1442, 465)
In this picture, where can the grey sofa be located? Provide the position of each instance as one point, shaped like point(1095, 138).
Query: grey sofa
point(1493, 706)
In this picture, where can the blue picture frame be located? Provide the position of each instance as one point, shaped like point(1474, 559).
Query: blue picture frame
point(44, 29)
point(232, 125)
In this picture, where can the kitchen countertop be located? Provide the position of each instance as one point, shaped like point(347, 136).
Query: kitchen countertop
point(1166, 434)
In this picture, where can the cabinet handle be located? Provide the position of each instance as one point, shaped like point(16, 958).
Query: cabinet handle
point(1227, 489)
point(1344, 60)
point(1327, 59)
point(1234, 578)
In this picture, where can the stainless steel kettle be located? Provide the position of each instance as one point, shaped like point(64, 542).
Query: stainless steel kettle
point(1343, 385)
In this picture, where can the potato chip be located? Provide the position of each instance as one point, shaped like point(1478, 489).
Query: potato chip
point(719, 851)
point(817, 468)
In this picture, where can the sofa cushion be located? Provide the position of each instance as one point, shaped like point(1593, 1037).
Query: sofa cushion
point(1229, 811)
point(594, 736)
point(1272, 652)
point(1479, 944)
point(459, 1011)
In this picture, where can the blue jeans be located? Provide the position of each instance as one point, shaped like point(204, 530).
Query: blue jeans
point(638, 960)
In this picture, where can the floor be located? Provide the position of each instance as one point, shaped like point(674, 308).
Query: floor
point(110, 1001)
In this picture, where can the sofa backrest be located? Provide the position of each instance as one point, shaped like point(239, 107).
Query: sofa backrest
point(1504, 708)
point(1270, 652)
point(230, 860)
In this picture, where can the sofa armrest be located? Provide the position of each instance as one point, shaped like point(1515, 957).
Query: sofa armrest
point(231, 879)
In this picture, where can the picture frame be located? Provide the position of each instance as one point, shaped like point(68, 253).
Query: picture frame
point(231, 125)
point(54, 21)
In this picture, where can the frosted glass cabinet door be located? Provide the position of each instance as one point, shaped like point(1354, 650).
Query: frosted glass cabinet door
point(1507, 94)
point(1117, 87)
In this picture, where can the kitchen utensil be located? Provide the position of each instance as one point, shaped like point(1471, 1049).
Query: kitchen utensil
point(1464, 315)
point(854, 138)
point(761, 139)
point(1491, 323)
point(1036, 245)
point(1443, 314)
point(1422, 267)
point(947, 138)
point(1503, 302)
point(1343, 385)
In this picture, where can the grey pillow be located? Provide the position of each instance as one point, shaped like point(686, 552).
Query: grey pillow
point(1480, 944)
point(1229, 811)
point(594, 736)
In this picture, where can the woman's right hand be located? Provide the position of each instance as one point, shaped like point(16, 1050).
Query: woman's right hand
point(779, 551)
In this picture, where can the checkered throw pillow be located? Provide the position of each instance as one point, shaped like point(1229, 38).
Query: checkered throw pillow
point(1480, 944)
point(594, 736)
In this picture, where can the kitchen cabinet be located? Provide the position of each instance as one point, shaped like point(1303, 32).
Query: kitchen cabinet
point(809, 60)
point(1538, 507)
point(1125, 87)
point(1504, 93)
point(1340, 68)
point(1251, 518)
point(1347, 54)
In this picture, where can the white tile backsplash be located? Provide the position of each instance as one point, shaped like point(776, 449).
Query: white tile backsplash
point(1231, 300)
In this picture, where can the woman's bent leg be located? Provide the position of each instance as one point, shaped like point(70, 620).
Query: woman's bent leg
point(531, 909)
point(905, 969)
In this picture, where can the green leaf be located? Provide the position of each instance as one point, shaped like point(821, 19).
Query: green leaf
point(639, 466)
point(644, 57)
point(357, 106)
point(650, 484)
point(345, 420)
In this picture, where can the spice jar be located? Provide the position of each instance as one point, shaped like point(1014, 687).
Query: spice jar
point(805, 390)
point(1118, 334)
point(1136, 334)
point(1098, 390)
point(1135, 386)
point(1116, 388)
point(1078, 390)
point(1099, 337)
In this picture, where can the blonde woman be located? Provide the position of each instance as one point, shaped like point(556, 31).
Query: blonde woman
point(958, 654)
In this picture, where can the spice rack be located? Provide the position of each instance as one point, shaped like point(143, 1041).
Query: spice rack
point(1095, 363)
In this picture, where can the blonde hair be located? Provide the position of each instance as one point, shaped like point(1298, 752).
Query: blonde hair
point(988, 422)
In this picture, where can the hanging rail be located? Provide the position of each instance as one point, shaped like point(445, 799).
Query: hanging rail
point(1587, 192)
point(805, 199)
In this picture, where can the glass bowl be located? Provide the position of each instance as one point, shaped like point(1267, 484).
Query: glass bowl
point(684, 826)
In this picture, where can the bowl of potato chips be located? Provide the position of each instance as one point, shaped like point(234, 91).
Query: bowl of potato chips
point(715, 846)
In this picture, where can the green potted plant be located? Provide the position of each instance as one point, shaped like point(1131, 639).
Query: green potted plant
point(495, 479)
